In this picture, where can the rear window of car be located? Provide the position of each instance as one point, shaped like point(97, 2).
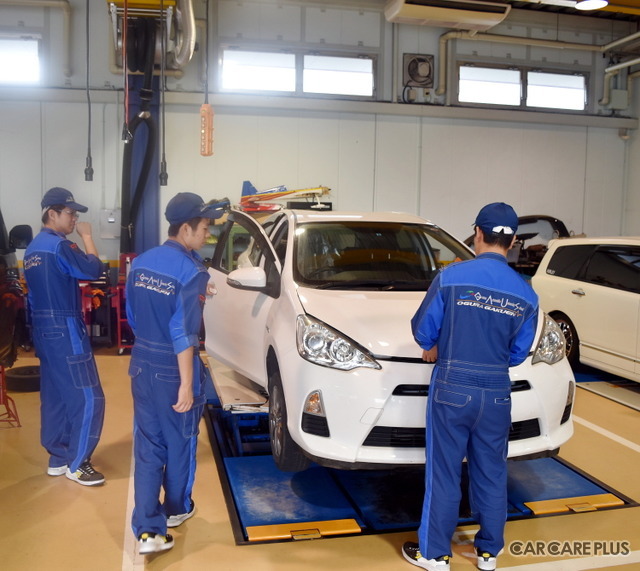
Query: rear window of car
point(567, 261)
point(615, 267)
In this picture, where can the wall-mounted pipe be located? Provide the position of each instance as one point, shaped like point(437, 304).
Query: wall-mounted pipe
point(467, 35)
point(187, 27)
point(66, 22)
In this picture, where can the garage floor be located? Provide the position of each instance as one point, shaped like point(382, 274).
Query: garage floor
point(52, 523)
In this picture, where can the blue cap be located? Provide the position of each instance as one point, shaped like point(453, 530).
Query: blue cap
point(59, 195)
point(186, 205)
point(496, 218)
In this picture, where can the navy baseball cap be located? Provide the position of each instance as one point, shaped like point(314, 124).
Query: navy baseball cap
point(496, 218)
point(186, 205)
point(59, 195)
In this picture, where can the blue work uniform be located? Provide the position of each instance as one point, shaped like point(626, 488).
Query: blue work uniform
point(72, 401)
point(164, 298)
point(482, 315)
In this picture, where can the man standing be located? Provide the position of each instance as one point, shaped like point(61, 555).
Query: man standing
point(478, 319)
point(72, 401)
point(165, 296)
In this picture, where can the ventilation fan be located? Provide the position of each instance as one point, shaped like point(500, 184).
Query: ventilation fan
point(418, 70)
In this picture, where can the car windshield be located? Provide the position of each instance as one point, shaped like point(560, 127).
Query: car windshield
point(372, 255)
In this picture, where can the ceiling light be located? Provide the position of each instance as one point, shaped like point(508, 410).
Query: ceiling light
point(591, 4)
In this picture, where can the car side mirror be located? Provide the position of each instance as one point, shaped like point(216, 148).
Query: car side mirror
point(248, 278)
point(20, 236)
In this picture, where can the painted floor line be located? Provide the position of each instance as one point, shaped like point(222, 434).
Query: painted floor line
point(579, 564)
point(632, 445)
point(131, 559)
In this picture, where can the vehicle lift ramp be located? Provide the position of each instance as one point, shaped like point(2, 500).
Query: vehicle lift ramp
point(267, 505)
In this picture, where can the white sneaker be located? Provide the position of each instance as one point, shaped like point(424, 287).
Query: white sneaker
point(57, 470)
point(411, 552)
point(176, 520)
point(153, 542)
point(486, 561)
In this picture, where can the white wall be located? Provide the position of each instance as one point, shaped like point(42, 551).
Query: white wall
point(442, 168)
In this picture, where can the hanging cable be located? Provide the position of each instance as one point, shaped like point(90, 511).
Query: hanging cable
point(163, 162)
point(88, 170)
point(206, 111)
point(126, 134)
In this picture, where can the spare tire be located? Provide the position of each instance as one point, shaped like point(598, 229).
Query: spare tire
point(23, 379)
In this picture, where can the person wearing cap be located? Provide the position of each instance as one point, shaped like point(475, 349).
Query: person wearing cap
point(72, 400)
point(477, 319)
point(165, 296)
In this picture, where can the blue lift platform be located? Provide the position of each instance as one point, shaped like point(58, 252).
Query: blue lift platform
point(267, 505)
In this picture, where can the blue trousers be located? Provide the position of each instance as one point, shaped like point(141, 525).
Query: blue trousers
point(472, 422)
point(164, 441)
point(71, 397)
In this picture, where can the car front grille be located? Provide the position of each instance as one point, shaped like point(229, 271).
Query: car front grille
point(399, 437)
point(314, 424)
point(566, 414)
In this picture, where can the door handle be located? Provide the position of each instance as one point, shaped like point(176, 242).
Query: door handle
point(579, 292)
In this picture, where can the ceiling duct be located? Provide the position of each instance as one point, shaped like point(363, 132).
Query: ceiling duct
point(455, 14)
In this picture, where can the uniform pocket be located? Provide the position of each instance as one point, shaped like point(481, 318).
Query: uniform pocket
point(83, 370)
point(451, 398)
point(191, 418)
point(168, 375)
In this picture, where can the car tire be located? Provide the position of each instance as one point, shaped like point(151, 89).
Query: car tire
point(572, 343)
point(23, 379)
point(287, 455)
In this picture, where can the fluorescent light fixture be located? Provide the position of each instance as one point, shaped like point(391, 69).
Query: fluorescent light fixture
point(591, 4)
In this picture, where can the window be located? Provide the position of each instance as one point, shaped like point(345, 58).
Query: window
point(488, 85)
point(297, 73)
point(521, 87)
point(19, 61)
point(338, 75)
point(615, 267)
point(258, 71)
point(567, 261)
point(556, 91)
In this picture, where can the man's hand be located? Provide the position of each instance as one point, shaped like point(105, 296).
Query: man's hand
point(211, 289)
point(185, 398)
point(83, 229)
point(431, 355)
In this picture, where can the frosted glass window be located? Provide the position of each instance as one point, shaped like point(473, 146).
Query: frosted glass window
point(489, 85)
point(258, 71)
point(19, 61)
point(556, 91)
point(338, 75)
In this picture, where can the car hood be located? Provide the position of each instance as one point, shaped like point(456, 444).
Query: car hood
point(380, 321)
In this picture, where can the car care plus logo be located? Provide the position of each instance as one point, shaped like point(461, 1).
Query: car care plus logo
point(156, 284)
point(504, 305)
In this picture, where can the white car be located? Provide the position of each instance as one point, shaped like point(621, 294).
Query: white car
point(315, 308)
point(591, 287)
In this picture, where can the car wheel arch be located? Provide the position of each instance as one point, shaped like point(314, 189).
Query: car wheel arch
point(570, 334)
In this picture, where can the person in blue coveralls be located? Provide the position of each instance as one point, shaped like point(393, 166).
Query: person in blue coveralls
point(165, 296)
point(72, 401)
point(477, 319)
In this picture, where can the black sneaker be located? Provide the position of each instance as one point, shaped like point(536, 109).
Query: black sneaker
point(150, 542)
point(411, 552)
point(176, 520)
point(85, 475)
point(486, 561)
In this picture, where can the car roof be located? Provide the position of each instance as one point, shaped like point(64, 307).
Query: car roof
point(595, 240)
point(303, 216)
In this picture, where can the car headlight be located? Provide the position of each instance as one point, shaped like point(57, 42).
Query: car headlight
point(550, 348)
point(322, 345)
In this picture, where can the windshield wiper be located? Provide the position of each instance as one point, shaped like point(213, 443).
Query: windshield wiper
point(383, 285)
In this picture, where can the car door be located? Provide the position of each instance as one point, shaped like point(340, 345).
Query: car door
point(242, 244)
point(610, 305)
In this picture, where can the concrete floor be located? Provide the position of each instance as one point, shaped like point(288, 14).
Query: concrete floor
point(52, 524)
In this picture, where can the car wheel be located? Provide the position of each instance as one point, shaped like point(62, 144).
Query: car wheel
point(23, 379)
point(286, 453)
point(572, 343)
